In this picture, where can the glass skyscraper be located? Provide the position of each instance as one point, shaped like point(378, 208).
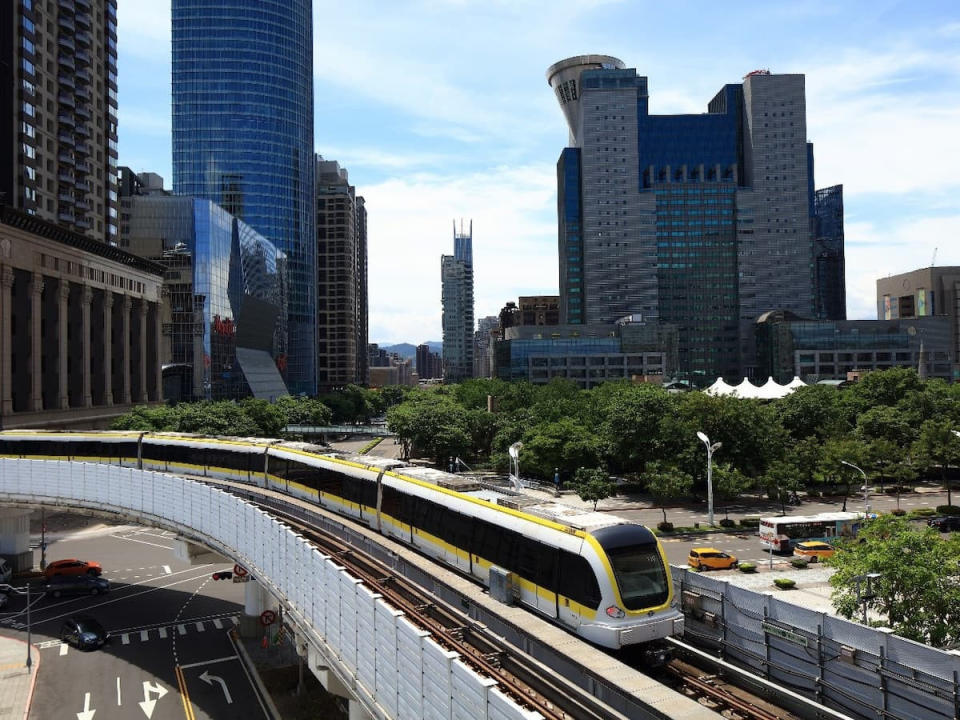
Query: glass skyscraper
point(243, 137)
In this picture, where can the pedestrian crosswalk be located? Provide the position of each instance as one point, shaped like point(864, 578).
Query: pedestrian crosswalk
point(161, 632)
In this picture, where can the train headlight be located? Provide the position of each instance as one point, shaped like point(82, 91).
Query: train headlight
point(615, 612)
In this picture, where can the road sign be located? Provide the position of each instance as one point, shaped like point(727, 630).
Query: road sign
point(239, 570)
point(268, 617)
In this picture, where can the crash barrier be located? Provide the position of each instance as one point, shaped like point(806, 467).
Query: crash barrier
point(861, 671)
point(393, 669)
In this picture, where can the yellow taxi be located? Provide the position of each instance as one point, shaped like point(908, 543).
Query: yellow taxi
point(708, 558)
point(814, 549)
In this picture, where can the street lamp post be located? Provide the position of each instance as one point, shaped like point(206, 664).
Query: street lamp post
point(866, 488)
point(514, 452)
point(710, 449)
point(866, 597)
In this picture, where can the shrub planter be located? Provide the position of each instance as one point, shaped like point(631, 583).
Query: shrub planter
point(747, 567)
point(799, 562)
point(750, 522)
point(727, 523)
point(785, 583)
point(899, 512)
point(665, 526)
point(948, 509)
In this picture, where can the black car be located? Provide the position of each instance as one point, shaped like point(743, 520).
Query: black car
point(76, 585)
point(948, 523)
point(83, 632)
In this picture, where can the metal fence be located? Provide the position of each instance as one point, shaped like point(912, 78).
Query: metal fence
point(861, 671)
point(394, 669)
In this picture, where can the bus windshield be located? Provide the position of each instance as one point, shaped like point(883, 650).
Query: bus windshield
point(640, 575)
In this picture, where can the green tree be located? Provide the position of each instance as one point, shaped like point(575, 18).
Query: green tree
point(667, 483)
point(728, 484)
point(782, 482)
point(146, 418)
point(918, 591)
point(811, 411)
point(352, 404)
point(566, 444)
point(431, 424)
point(884, 387)
point(269, 419)
point(304, 411)
point(938, 447)
point(836, 451)
point(593, 485)
point(631, 425)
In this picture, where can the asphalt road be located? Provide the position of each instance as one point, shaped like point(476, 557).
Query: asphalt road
point(170, 655)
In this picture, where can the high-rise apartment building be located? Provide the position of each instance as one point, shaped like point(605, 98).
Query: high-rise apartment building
point(487, 332)
point(456, 275)
point(428, 363)
point(341, 279)
point(58, 113)
point(243, 137)
point(702, 221)
point(829, 265)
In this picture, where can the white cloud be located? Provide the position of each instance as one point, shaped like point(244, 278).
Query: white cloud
point(143, 28)
point(411, 225)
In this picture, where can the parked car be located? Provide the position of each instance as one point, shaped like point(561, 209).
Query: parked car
point(76, 585)
point(948, 523)
point(83, 632)
point(708, 558)
point(814, 549)
point(72, 566)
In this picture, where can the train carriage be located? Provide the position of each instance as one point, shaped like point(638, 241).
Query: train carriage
point(602, 577)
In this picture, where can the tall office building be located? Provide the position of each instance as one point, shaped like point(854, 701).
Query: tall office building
point(456, 276)
point(828, 254)
point(243, 137)
point(487, 331)
point(58, 113)
point(341, 279)
point(702, 221)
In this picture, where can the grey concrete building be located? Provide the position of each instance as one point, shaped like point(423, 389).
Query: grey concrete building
point(341, 279)
point(926, 292)
point(702, 221)
point(58, 113)
point(456, 277)
point(487, 330)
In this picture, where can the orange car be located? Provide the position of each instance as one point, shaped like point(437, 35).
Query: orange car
point(72, 566)
point(814, 549)
point(708, 558)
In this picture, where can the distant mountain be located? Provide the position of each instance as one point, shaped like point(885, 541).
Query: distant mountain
point(406, 350)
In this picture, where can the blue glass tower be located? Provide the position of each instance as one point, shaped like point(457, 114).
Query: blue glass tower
point(243, 136)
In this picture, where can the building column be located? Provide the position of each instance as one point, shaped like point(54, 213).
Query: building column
point(125, 339)
point(63, 294)
point(36, 310)
point(6, 341)
point(157, 353)
point(144, 309)
point(107, 347)
point(86, 298)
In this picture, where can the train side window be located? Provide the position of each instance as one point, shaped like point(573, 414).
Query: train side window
point(577, 580)
point(392, 504)
point(329, 482)
point(277, 467)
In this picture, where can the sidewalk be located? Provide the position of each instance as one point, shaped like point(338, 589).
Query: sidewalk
point(16, 680)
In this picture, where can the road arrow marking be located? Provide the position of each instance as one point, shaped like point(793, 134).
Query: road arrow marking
point(87, 713)
point(147, 704)
point(208, 679)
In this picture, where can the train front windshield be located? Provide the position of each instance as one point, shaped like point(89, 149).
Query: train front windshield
point(639, 570)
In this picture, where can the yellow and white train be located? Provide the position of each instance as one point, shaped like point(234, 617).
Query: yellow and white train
point(603, 578)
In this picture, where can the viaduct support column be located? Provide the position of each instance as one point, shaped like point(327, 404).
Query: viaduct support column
point(6, 341)
point(36, 337)
point(15, 538)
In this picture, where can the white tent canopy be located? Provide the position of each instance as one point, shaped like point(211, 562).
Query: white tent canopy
point(771, 390)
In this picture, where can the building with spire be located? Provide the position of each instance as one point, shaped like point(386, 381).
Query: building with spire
point(456, 277)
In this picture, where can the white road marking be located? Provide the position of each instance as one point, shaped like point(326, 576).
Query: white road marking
point(210, 662)
point(163, 633)
point(167, 570)
point(144, 542)
point(64, 648)
point(217, 624)
point(125, 638)
point(118, 690)
point(144, 635)
point(182, 629)
point(200, 627)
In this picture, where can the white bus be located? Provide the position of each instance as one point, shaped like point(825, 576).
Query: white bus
point(779, 533)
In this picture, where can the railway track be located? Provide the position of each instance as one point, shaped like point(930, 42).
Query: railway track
point(520, 677)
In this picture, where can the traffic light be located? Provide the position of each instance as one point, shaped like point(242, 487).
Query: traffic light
point(224, 575)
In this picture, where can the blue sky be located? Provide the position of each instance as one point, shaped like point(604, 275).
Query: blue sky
point(439, 109)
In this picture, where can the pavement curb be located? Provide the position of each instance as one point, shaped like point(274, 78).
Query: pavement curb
point(254, 674)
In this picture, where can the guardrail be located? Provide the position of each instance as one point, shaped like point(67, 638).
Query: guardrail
point(393, 668)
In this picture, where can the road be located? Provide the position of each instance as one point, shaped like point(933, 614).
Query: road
point(170, 655)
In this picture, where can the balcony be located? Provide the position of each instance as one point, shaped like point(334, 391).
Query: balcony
point(82, 186)
point(82, 112)
point(65, 80)
point(65, 139)
point(66, 159)
point(66, 61)
point(83, 92)
point(65, 118)
point(65, 176)
point(83, 18)
point(82, 57)
point(66, 217)
point(84, 38)
point(82, 5)
point(65, 21)
point(66, 198)
point(66, 99)
point(82, 149)
point(83, 131)
point(83, 223)
point(83, 204)
point(66, 42)
point(84, 74)
point(83, 167)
